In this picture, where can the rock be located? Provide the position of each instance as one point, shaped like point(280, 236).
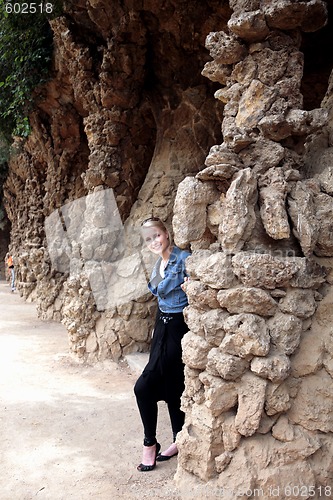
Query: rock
point(304, 122)
point(251, 398)
point(204, 418)
point(220, 396)
point(266, 423)
point(247, 300)
point(278, 126)
point(189, 219)
point(303, 214)
point(231, 437)
point(97, 126)
point(222, 171)
point(216, 271)
point(230, 476)
point(253, 104)
point(275, 367)
point(262, 155)
point(285, 332)
point(216, 72)
point(236, 138)
point(238, 216)
point(250, 26)
point(272, 65)
point(244, 72)
point(194, 260)
point(272, 196)
point(309, 357)
point(192, 318)
point(324, 210)
point(283, 430)
point(222, 461)
point(192, 449)
point(277, 398)
point(310, 273)
point(224, 49)
point(226, 366)
point(263, 270)
point(323, 170)
point(246, 336)
point(300, 303)
point(287, 479)
point(195, 351)
point(303, 445)
point(285, 15)
point(220, 154)
point(312, 407)
point(193, 384)
point(214, 217)
point(212, 322)
point(201, 296)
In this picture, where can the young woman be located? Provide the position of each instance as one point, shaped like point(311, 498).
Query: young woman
point(11, 271)
point(163, 377)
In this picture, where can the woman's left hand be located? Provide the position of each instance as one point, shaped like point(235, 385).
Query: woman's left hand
point(183, 285)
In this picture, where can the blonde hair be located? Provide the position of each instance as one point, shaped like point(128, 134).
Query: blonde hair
point(156, 222)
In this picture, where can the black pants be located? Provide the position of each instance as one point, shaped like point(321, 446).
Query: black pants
point(147, 404)
point(163, 377)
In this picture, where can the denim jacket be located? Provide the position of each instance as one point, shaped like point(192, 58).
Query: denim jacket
point(170, 296)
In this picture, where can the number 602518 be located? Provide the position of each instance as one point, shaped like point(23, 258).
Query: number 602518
point(28, 8)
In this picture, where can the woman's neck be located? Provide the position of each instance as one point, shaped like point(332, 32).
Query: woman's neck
point(166, 253)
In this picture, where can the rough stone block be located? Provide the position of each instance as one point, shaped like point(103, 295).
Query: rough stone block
point(312, 407)
point(238, 216)
point(246, 336)
point(274, 367)
point(247, 300)
point(195, 351)
point(226, 366)
point(298, 302)
point(263, 270)
point(251, 399)
point(277, 398)
point(189, 219)
point(220, 396)
point(216, 271)
point(285, 332)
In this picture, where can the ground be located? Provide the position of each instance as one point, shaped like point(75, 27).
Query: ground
point(68, 431)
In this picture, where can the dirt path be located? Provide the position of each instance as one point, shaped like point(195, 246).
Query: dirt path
point(68, 431)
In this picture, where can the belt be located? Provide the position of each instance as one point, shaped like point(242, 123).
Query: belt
point(165, 317)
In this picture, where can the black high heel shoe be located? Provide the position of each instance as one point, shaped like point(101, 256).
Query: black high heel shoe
point(147, 468)
point(164, 458)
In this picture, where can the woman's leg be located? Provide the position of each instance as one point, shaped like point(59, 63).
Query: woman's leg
point(12, 279)
point(177, 418)
point(147, 403)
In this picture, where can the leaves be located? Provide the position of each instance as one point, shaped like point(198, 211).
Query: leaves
point(25, 61)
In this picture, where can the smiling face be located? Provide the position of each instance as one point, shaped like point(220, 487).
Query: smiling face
point(156, 239)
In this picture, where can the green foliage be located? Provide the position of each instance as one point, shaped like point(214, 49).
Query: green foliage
point(25, 55)
point(25, 62)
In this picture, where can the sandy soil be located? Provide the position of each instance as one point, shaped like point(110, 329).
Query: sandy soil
point(68, 431)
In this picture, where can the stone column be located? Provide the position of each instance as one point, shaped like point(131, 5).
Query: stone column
point(258, 390)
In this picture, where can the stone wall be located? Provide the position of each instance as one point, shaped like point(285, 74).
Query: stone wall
point(259, 387)
point(127, 110)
